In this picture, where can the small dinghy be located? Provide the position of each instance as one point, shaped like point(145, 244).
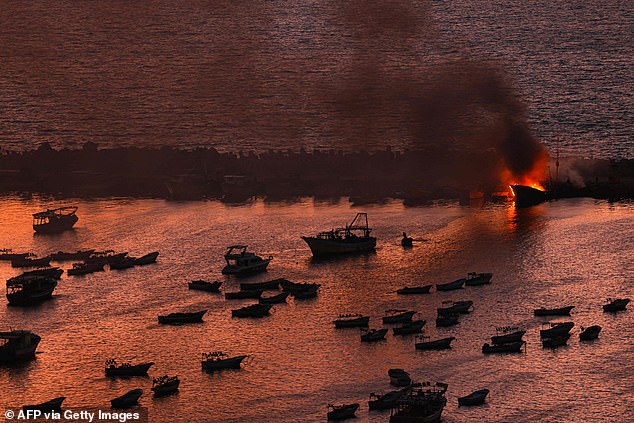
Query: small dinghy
point(556, 329)
point(457, 284)
point(398, 316)
point(455, 307)
point(438, 344)
point(129, 399)
point(127, 369)
point(448, 320)
point(165, 385)
point(342, 412)
point(399, 377)
point(474, 398)
point(590, 333)
point(46, 407)
point(182, 318)
point(373, 335)
point(275, 299)
point(414, 290)
point(557, 341)
point(508, 337)
point(409, 328)
point(351, 321)
point(510, 347)
point(305, 294)
point(218, 360)
point(254, 310)
point(561, 311)
point(619, 304)
point(242, 295)
point(146, 259)
point(386, 401)
point(476, 279)
point(205, 286)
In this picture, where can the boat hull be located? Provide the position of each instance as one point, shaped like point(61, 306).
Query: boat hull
point(430, 418)
point(227, 363)
point(440, 344)
point(136, 370)
point(326, 247)
point(414, 290)
point(181, 318)
point(562, 311)
point(205, 286)
point(19, 350)
point(246, 270)
point(526, 196)
point(62, 224)
point(359, 322)
point(33, 298)
point(166, 389)
point(129, 399)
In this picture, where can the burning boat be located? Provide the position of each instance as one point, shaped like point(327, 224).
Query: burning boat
point(526, 196)
point(55, 220)
point(353, 238)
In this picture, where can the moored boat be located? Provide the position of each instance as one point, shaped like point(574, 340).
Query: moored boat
point(77, 255)
point(30, 291)
point(457, 284)
point(250, 286)
point(414, 290)
point(46, 407)
point(556, 329)
point(455, 307)
point(217, 360)
point(526, 196)
point(253, 310)
point(129, 399)
point(31, 262)
point(242, 263)
point(200, 285)
point(304, 294)
point(181, 318)
point(106, 257)
point(508, 337)
point(55, 220)
point(398, 316)
point(6, 254)
point(590, 333)
point(475, 398)
point(556, 341)
point(79, 269)
point(508, 347)
point(447, 320)
point(386, 401)
point(275, 299)
point(373, 335)
point(49, 272)
point(561, 311)
point(342, 412)
point(422, 404)
point(242, 295)
point(165, 385)
point(399, 377)
point(146, 259)
point(126, 369)
point(620, 304)
point(351, 321)
point(351, 239)
point(408, 328)
point(475, 279)
point(437, 344)
point(125, 263)
point(18, 345)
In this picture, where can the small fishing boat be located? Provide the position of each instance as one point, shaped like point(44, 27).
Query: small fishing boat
point(218, 360)
point(414, 290)
point(509, 347)
point(415, 326)
point(181, 318)
point(407, 241)
point(106, 257)
point(398, 316)
point(455, 307)
point(77, 255)
point(619, 304)
point(18, 345)
point(129, 399)
point(556, 329)
point(342, 412)
point(6, 254)
point(31, 262)
point(30, 291)
point(275, 299)
point(474, 398)
point(242, 295)
point(475, 279)
point(304, 294)
point(205, 286)
point(447, 320)
point(438, 344)
point(149, 258)
point(422, 404)
point(126, 263)
point(590, 333)
point(242, 263)
point(288, 286)
point(254, 310)
point(561, 311)
point(557, 341)
point(373, 335)
point(55, 220)
point(49, 272)
point(457, 284)
point(352, 321)
point(79, 269)
point(399, 377)
point(274, 284)
point(351, 239)
point(126, 369)
point(386, 401)
point(508, 337)
point(46, 407)
point(165, 385)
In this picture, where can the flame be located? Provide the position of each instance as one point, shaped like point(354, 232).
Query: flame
point(533, 178)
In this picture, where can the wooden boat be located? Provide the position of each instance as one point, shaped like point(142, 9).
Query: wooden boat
point(351, 239)
point(474, 398)
point(18, 345)
point(165, 385)
point(414, 290)
point(106, 257)
point(557, 341)
point(46, 407)
point(399, 377)
point(407, 241)
point(146, 259)
point(129, 399)
point(181, 318)
point(274, 284)
point(77, 255)
point(254, 310)
point(79, 269)
point(619, 304)
point(526, 196)
point(457, 284)
point(304, 294)
point(352, 321)
point(50, 272)
point(386, 401)
point(438, 344)
point(126, 263)
point(242, 295)
point(447, 320)
point(295, 288)
point(243, 263)
point(373, 335)
point(509, 347)
point(422, 404)
point(455, 307)
point(31, 262)
point(31, 291)
point(55, 220)
point(415, 326)
point(398, 316)
point(205, 286)
point(218, 360)
point(561, 311)
point(590, 333)
point(342, 412)
point(556, 329)
point(275, 299)
point(508, 338)
point(475, 279)
point(126, 369)
point(6, 254)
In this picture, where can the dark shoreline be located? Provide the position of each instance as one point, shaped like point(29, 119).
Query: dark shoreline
point(416, 177)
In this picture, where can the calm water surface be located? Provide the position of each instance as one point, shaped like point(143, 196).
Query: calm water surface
point(574, 252)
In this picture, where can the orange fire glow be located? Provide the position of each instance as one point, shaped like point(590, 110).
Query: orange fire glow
point(533, 178)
